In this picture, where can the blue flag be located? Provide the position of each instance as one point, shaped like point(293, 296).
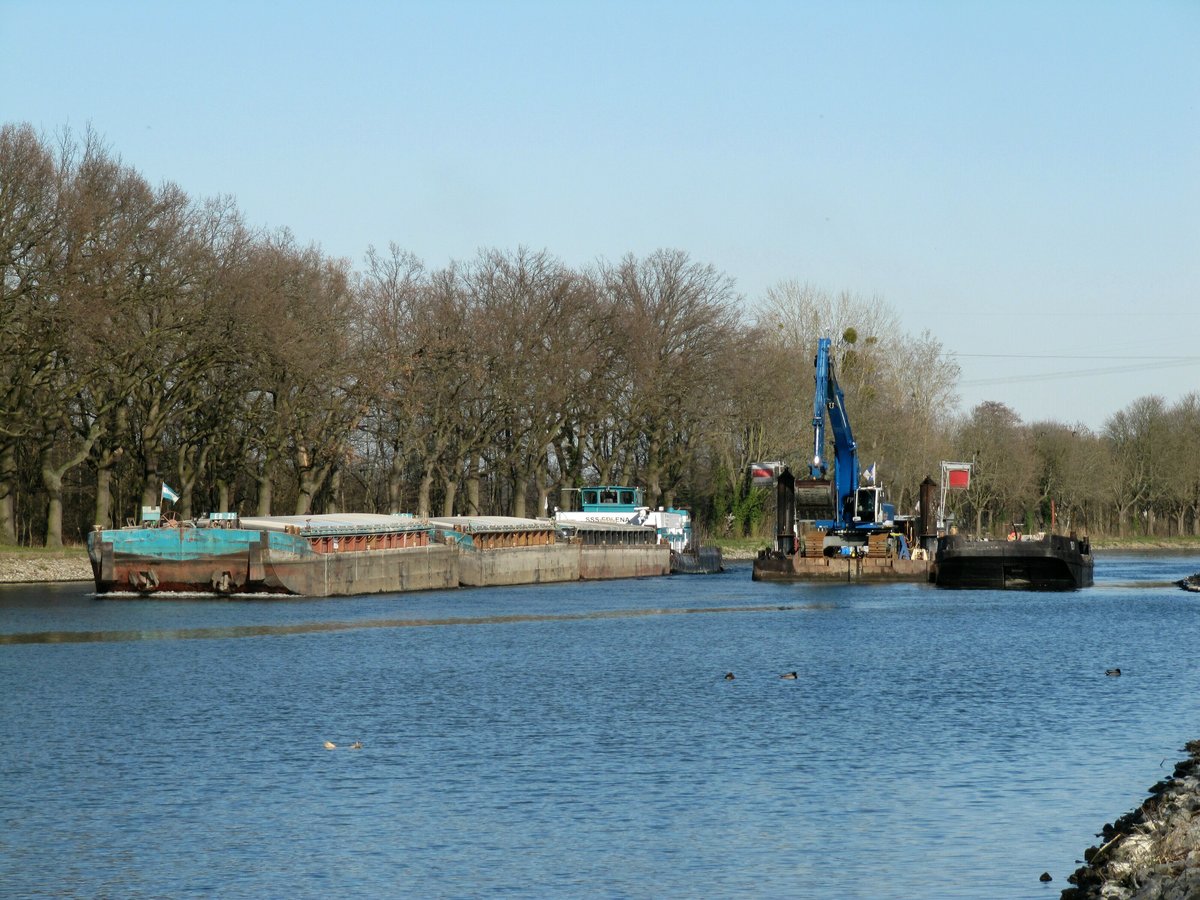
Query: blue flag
point(168, 494)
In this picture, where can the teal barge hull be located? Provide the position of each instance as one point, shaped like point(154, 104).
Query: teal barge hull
point(318, 556)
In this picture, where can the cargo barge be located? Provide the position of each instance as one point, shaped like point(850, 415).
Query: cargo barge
point(1053, 562)
point(343, 554)
point(881, 558)
point(498, 550)
point(317, 556)
point(620, 505)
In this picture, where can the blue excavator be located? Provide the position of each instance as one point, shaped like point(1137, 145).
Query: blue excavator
point(847, 512)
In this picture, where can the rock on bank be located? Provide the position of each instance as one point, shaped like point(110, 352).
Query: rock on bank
point(1152, 853)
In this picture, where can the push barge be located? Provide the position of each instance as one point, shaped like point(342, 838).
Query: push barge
point(344, 554)
point(1053, 562)
point(623, 506)
point(319, 556)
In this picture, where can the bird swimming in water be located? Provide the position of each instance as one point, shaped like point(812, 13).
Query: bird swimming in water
point(1113, 672)
point(330, 745)
point(788, 676)
point(357, 745)
point(729, 676)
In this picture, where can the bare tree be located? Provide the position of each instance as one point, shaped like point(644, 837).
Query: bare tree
point(30, 187)
point(1136, 437)
point(675, 315)
point(993, 440)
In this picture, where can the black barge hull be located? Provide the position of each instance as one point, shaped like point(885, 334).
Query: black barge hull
point(1055, 563)
point(702, 561)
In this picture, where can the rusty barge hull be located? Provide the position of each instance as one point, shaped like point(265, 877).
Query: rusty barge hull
point(775, 566)
point(598, 563)
point(317, 556)
point(269, 560)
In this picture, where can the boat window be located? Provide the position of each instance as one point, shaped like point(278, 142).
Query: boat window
point(608, 496)
point(627, 496)
point(589, 497)
point(866, 505)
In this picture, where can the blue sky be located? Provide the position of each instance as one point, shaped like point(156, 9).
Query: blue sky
point(1022, 179)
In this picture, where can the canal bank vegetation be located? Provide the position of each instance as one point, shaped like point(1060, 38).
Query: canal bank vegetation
point(148, 336)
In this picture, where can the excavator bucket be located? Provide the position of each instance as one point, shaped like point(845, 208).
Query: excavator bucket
point(814, 499)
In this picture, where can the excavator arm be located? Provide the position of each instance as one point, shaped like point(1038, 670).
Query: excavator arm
point(829, 400)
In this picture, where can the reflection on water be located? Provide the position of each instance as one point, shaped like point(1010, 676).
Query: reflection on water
point(582, 739)
point(182, 634)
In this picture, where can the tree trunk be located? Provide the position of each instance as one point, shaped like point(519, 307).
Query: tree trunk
point(222, 495)
point(192, 461)
point(304, 496)
point(423, 492)
point(473, 492)
point(448, 500)
point(520, 485)
point(395, 482)
point(540, 478)
point(103, 509)
point(52, 483)
point(265, 489)
point(653, 486)
point(8, 480)
point(335, 491)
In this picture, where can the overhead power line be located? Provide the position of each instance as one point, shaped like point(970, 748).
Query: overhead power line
point(1146, 366)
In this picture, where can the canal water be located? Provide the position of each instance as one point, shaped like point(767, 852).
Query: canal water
point(583, 740)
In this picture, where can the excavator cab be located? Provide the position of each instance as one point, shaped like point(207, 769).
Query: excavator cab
point(870, 508)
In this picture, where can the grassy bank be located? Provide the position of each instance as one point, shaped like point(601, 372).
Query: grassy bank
point(14, 551)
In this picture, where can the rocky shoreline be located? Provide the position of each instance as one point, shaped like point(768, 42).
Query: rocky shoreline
point(21, 569)
point(1153, 852)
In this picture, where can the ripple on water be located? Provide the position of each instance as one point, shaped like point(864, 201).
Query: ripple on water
point(521, 740)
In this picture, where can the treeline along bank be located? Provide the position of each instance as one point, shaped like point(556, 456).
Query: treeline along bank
point(147, 335)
